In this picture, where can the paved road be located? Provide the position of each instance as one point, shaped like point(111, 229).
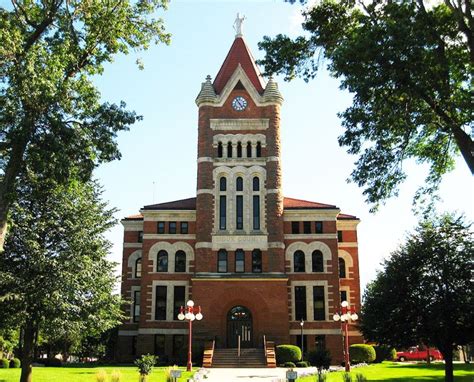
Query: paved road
point(250, 375)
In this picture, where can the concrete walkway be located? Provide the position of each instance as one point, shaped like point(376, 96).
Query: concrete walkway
point(254, 375)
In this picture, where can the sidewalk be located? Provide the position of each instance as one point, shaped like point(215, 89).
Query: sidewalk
point(244, 375)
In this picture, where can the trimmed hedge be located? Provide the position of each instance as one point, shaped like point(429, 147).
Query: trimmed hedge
point(289, 364)
point(384, 353)
point(4, 363)
point(302, 364)
point(15, 363)
point(288, 353)
point(362, 353)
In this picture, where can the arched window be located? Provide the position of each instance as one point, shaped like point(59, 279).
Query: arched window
point(249, 150)
point(239, 261)
point(342, 268)
point(239, 150)
point(222, 261)
point(257, 261)
point(219, 150)
point(317, 260)
point(180, 261)
point(229, 150)
point(223, 184)
point(222, 212)
point(298, 261)
point(239, 184)
point(138, 268)
point(259, 149)
point(256, 184)
point(162, 261)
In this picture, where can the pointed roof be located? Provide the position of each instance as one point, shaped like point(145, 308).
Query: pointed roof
point(239, 53)
point(182, 204)
point(299, 204)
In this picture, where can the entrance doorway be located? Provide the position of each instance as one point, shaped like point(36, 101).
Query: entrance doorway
point(239, 322)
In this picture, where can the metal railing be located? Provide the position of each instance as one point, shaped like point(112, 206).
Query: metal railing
point(238, 346)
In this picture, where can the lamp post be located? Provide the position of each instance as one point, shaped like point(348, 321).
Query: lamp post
point(187, 313)
point(345, 316)
point(302, 342)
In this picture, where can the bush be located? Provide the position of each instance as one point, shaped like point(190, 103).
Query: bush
point(116, 376)
point(289, 364)
point(288, 353)
point(360, 378)
point(346, 377)
point(362, 353)
point(302, 364)
point(15, 363)
point(145, 364)
point(384, 353)
point(101, 376)
point(4, 363)
point(320, 358)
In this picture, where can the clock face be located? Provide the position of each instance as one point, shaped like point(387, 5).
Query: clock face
point(239, 103)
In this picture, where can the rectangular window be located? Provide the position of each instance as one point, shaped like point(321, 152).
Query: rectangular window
point(136, 306)
point(160, 303)
point(320, 342)
point(344, 295)
point(222, 261)
point(239, 210)
point(178, 345)
point(319, 303)
point(339, 236)
point(159, 344)
point(172, 227)
point(300, 303)
point(318, 227)
point(160, 227)
point(239, 261)
point(306, 227)
point(140, 237)
point(295, 227)
point(222, 212)
point(256, 261)
point(184, 228)
point(256, 212)
point(178, 302)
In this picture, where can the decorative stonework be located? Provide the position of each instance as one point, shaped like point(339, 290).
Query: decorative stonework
point(239, 124)
point(171, 249)
point(308, 249)
point(233, 242)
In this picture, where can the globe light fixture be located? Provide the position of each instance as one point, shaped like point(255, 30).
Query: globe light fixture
point(187, 313)
point(345, 316)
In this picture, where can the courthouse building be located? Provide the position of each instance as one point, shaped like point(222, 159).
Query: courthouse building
point(255, 261)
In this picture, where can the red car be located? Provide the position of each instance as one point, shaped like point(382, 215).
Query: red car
point(416, 354)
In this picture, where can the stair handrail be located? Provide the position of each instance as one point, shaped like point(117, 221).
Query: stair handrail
point(264, 345)
point(238, 346)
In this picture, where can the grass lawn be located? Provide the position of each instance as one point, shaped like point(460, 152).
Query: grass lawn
point(401, 372)
point(85, 374)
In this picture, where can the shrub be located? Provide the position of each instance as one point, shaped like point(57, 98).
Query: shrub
point(384, 353)
point(15, 363)
point(289, 364)
point(361, 378)
point(288, 353)
point(302, 364)
point(4, 363)
point(362, 353)
point(320, 358)
point(101, 376)
point(346, 377)
point(145, 364)
point(116, 376)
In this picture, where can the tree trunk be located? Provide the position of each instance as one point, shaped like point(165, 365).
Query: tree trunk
point(27, 354)
point(465, 145)
point(448, 368)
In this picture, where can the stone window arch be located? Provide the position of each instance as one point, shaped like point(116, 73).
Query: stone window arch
point(132, 262)
point(308, 249)
point(317, 261)
point(171, 249)
point(180, 261)
point(162, 263)
point(299, 261)
point(345, 262)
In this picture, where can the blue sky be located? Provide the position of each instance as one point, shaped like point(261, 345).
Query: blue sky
point(159, 153)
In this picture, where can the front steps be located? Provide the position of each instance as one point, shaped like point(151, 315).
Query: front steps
point(249, 358)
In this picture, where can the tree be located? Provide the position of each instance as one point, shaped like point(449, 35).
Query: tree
point(55, 260)
point(410, 70)
point(424, 294)
point(51, 113)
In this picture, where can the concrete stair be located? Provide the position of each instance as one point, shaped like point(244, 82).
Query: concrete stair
point(249, 358)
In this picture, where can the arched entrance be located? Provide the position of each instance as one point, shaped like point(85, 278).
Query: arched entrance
point(239, 322)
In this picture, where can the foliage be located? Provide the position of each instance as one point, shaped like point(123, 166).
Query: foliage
point(288, 353)
point(302, 364)
point(145, 363)
point(360, 378)
point(384, 353)
point(409, 65)
point(321, 377)
point(15, 363)
point(424, 289)
point(289, 364)
point(116, 376)
point(4, 363)
point(8, 340)
point(321, 358)
point(56, 261)
point(101, 376)
point(346, 377)
point(53, 119)
point(362, 353)
point(168, 370)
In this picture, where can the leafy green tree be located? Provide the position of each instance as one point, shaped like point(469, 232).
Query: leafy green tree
point(55, 260)
point(410, 70)
point(425, 292)
point(51, 114)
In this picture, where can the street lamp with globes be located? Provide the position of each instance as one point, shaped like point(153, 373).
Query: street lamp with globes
point(345, 316)
point(187, 313)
